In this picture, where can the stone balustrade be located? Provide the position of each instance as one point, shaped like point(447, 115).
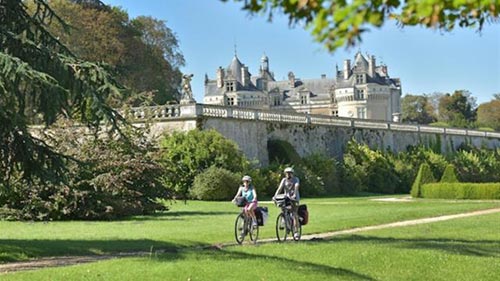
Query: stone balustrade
point(165, 112)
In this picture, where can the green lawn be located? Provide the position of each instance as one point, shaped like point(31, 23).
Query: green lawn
point(460, 249)
point(205, 223)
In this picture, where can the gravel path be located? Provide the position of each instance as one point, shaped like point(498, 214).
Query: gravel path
point(72, 260)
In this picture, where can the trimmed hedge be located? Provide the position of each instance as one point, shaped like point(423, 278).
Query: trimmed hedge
point(465, 190)
point(449, 174)
point(424, 176)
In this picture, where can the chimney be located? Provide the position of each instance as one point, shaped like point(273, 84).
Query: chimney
point(220, 77)
point(291, 79)
point(371, 66)
point(347, 69)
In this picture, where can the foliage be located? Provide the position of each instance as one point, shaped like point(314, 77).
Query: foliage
point(449, 174)
point(458, 109)
point(215, 184)
point(478, 165)
point(310, 183)
point(326, 170)
point(369, 168)
point(110, 179)
point(185, 155)
point(464, 190)
point(39, 74)
point(143, 51)
point(341, 23)
point(488, 114)
point(266, 179)
point(417, 109)
point(424, 176)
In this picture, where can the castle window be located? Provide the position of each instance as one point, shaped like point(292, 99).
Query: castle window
point(361, 113)
point(359, 79)
point(230, 101)
point(230, 86)
point(303, 100)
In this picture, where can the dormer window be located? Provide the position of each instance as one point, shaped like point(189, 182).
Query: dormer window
point(230, 86)
point(303, 99)
point(360, 78)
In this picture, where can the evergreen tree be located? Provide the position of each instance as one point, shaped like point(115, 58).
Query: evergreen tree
point(37, 70)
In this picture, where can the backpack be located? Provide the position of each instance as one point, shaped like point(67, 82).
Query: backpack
point(261, 213)
point(303, 214)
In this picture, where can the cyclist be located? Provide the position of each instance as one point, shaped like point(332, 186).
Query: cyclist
point(247, 190)
point(289, 185)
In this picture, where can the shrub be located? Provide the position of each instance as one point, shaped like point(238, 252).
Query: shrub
point(310, 183)
point(215, 184)
point(461, 190)
point(266, 180)
point(326, 169)
point(475, 165)
point(369, 168)
point(112, 179)
point(449, 174)
point(424, 176)
point(185, 155)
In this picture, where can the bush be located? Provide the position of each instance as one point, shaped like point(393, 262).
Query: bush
point(449, 174)
point(326, 169)
point(112, 179)
point(368, 168)
point(185, 155)
point(424, 176)
point(266, 180)
point(310, 183)
point(215, 184)
point(475, 165)
point(461, 190)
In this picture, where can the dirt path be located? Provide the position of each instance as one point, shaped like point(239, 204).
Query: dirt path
point(72, 260)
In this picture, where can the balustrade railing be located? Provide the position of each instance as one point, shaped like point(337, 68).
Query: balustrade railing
point(198, 110)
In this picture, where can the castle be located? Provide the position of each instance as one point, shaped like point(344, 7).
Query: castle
point(362, 90)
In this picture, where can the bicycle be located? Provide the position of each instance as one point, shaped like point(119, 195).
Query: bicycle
point(243, 226)
point(285, 222)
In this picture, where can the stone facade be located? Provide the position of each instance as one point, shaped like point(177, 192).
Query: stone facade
point(362, 90)
point(252, 129)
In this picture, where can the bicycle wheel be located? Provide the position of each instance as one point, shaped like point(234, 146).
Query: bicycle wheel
point(254, 232)
point(281, 228)
point(239, 229)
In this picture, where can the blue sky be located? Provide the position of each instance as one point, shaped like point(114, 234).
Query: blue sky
point(426, 60)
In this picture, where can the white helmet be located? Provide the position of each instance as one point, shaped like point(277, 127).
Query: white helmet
point(289, 170)
point(246, 178)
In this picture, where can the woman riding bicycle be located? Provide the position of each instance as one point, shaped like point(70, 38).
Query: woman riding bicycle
point(290, 186)
point(247, 191)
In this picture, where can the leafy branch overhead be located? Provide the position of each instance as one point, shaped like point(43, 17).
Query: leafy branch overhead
point(40, 79)
point(342, 23)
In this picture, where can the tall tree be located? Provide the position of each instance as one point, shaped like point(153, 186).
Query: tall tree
point(339, 23)
point(488, 114)
point(36, 68)
point(160, 57)
point(458, 109)
point(417, 109)
point(143, 51)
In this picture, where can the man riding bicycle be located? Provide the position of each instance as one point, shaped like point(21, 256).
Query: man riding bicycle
point(290, 186)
